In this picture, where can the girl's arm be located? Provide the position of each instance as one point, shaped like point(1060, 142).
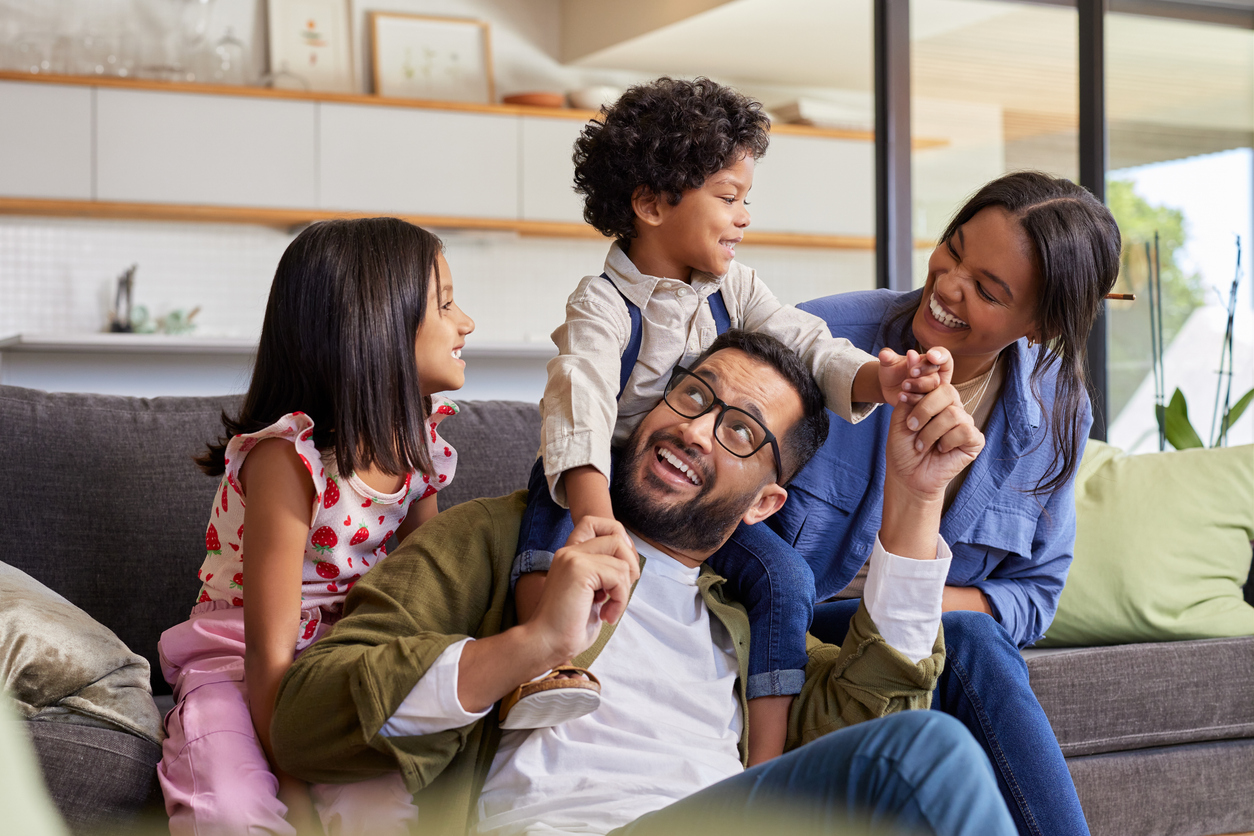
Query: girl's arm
point(419, 513)
point(279, 494)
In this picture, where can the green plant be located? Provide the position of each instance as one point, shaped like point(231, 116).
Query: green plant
point(1130, 347)
point(1173, 419)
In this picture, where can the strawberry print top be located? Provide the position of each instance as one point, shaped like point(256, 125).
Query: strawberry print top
point(350, 522)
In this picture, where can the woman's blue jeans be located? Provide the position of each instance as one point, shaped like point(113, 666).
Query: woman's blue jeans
point(915, 772)
point(985, 685)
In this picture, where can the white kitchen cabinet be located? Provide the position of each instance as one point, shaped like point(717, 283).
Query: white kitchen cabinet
point(45, 141)
point(815, 186)
point(157, 147)
point(418, 162)
point(548, 172)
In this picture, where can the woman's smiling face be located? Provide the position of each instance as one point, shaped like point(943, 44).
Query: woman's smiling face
point(981, 293)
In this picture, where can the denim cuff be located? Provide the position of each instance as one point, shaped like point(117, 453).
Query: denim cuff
point(530, 561)
point(775, 684)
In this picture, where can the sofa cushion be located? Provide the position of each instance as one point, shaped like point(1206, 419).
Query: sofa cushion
point(1162, 548)
point(497, 443)
point(104, 505)
point(96, 777)
point(59, 664)
point(1194, 790)
point(1111, 699)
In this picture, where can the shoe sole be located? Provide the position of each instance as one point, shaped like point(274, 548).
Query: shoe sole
point(551, 708)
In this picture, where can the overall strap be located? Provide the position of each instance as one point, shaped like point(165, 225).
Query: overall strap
point(722, 322)
point(632, 352)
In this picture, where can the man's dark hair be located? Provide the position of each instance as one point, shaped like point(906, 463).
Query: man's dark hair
point(803, 440)
point(667, 136)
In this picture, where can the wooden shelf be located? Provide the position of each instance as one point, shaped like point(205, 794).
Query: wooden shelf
point(918, 143)
point(77, 342)
point(290, 218)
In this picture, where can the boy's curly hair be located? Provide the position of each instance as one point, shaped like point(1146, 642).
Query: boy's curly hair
point(668, 136)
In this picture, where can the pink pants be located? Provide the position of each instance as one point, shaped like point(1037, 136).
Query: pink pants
point(213, 771)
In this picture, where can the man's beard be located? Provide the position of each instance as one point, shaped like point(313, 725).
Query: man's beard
point(701, 524)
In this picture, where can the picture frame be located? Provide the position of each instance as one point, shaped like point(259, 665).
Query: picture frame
point(311, 45)
point(436, 58)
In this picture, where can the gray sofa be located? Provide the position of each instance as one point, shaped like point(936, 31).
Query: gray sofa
point(100, 490)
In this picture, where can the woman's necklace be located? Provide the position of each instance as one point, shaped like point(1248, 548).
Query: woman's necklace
point(979, 395)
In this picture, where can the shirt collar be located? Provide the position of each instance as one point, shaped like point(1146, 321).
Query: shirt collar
point(658, 559)
point(638, 288)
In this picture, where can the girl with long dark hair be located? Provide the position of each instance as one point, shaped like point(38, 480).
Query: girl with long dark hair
point(334, 450)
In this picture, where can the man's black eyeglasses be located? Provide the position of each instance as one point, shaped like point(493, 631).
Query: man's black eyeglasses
point(737, 431)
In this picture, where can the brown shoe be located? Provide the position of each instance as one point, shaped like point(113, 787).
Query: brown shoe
point(552, 699)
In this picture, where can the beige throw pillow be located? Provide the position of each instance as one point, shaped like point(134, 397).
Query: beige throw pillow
point(58, 663)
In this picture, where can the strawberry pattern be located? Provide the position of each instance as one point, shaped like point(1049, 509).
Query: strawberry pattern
point(341, 546)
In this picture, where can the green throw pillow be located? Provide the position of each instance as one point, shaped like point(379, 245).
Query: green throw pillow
point(1162, 548)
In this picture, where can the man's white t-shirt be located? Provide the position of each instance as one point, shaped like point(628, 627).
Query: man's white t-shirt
point(668, 725)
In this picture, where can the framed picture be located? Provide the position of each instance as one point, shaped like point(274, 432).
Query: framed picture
point(311, 45)
point(442, 58)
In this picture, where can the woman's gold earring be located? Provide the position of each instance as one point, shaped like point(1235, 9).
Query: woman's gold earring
point(1031, 342)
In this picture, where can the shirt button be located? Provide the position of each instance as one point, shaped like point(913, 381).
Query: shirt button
point(681, 291)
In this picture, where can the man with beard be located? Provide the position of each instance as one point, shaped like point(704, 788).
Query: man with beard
point(428, 642)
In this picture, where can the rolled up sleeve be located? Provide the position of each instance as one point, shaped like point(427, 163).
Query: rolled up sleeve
point(863, 679)
point(1023, 590)
point(580, 405)
point(833, 361)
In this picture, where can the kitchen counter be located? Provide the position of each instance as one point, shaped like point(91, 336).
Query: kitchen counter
point(151, 365)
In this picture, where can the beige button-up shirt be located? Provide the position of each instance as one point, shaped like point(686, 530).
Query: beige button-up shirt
point(580, 417)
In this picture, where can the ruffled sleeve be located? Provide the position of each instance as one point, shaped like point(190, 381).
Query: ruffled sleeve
point(296, 427)
point(443, 456)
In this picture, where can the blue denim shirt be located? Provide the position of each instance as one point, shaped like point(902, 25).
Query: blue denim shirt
point(1010, 544)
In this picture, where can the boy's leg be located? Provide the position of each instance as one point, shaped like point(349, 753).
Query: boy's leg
point(213, 772)
point(544, 528)
point(776, 586)
point(913, 772)
point(376, 807)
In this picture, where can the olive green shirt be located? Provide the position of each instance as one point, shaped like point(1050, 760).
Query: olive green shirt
point(450, 580)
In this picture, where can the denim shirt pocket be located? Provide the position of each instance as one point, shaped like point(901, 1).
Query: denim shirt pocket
point(999, 533)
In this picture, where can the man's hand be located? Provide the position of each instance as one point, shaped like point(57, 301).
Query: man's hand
point(920, 464)
point(589, 583)
point(931, 442)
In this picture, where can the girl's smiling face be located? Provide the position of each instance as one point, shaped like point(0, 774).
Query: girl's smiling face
point(981, 292)
point(441, 337)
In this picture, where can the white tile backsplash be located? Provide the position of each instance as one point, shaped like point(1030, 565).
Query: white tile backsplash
point(58, 275)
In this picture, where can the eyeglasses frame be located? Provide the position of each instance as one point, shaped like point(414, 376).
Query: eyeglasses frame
point(724, 408)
